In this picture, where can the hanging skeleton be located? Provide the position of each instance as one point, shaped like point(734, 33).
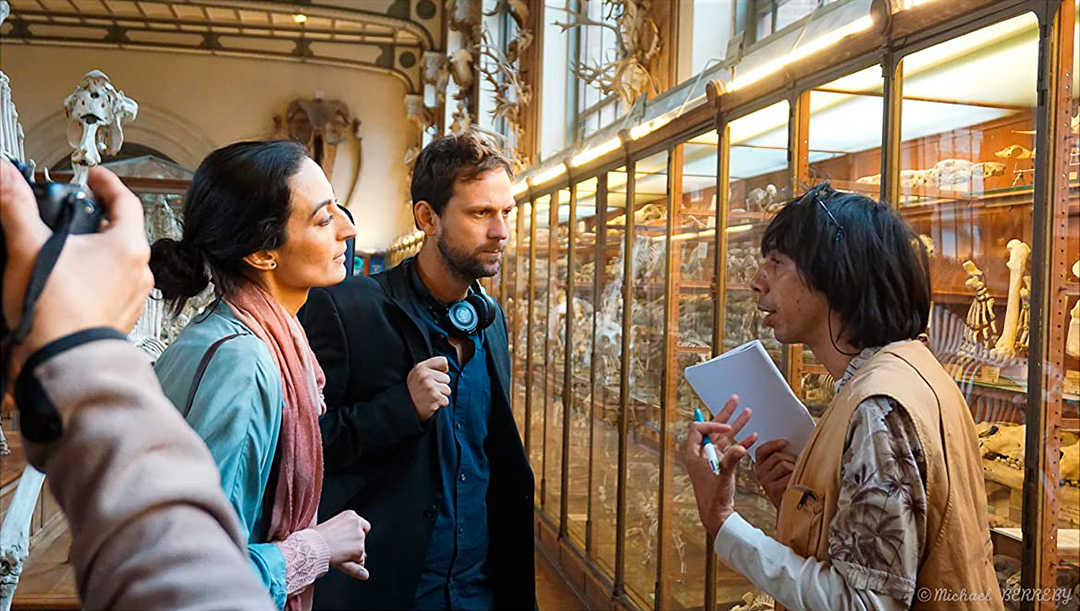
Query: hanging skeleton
point(96, 113)
point(981, 325)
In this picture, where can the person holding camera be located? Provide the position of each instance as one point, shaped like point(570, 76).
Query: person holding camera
point(149, 523)
point(261, 222)
point(885, 506)
point(419, 435)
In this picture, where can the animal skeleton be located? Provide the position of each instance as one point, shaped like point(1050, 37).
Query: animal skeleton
point(981, 325)
point(96, 112)
point(637, 42)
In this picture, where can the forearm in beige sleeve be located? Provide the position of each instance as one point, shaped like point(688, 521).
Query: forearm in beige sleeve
point(150, 525)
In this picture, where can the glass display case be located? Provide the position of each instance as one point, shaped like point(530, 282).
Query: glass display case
point(648, 270)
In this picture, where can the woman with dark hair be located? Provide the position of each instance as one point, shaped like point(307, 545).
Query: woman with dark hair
point(261, 223)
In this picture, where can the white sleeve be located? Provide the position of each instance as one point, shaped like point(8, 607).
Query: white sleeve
point(797, 583)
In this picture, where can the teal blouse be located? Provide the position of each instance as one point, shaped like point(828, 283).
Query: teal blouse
point(237, 412)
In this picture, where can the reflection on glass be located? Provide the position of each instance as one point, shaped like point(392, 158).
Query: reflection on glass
point(845, 132)
point(556, 351)
point(844, 149)
point(513, 304)
point(581, 319)
point(967, 168)
point(646, 362)
point(605, 370)
point(758, 185)
point(694, 249)
point(538, 310)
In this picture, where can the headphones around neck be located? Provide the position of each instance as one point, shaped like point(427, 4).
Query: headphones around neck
point(470, 315)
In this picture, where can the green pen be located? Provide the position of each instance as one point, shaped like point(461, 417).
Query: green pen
point(710, 449)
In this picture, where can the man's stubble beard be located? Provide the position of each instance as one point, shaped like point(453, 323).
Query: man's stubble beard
point(462, 264)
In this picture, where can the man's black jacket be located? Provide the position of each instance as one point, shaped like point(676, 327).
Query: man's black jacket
point(383, 462)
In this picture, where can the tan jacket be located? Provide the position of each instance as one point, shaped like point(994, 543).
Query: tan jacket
point(150, 526)
point(956, 571)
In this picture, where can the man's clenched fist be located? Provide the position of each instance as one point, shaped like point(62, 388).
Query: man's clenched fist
point(429, 386)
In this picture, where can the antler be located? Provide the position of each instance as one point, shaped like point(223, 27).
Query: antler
point(581, 18)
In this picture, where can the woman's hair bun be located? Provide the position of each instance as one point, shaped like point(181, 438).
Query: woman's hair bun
point(179, 269)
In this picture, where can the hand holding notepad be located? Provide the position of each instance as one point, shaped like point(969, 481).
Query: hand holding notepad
point(749, 372)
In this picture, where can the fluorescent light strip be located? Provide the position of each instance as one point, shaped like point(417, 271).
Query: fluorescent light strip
point(520, 188)
point(650, 126)
point(706, 233)
point(597, 151)
point(549, 175)
point(822, 42)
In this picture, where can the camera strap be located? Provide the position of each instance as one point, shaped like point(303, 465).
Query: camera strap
point(39, 276)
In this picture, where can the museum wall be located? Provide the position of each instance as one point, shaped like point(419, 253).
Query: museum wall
point(190, 104)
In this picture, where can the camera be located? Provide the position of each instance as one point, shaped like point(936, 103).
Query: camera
point(59, 203)
point(63, 207)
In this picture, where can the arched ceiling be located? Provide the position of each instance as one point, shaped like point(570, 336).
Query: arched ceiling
point(388, 36)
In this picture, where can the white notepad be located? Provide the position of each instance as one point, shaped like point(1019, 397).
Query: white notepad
point(749, 372)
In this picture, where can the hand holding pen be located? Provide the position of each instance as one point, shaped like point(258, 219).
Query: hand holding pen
point(714, 479)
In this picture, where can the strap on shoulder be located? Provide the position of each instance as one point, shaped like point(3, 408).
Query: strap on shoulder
point(201, 369)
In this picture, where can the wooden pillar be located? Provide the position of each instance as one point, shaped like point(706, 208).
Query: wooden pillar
point(1049, 266)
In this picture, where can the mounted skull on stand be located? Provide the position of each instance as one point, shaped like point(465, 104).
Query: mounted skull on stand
point(320, 125)
point(96, 112)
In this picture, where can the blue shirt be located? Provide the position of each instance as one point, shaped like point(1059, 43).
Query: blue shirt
point(455, 571)
point(237, 412)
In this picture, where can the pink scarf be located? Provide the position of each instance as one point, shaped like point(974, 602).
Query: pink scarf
point(299, 484)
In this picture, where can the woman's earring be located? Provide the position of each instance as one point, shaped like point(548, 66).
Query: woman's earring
point(273, 264)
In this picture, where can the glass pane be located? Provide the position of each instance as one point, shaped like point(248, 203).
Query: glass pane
point(556, 354)
point(694, 248)
point(844, 149)
point(538, 309)
point(606, 367)
point(759, 185)
point(514, 307)
point(646, 361)
point(584, 300)
point(968, 122)
point(1069, 486)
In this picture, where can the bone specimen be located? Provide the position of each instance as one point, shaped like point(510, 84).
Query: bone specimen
point(1072, 343)
point(693, 261)
point(1014, 151)
point(96, 112)
point(1003, 441)
point(760, 199)
point(946, 175)
point(1070, 462)
point(1025, 316)
point(1018, 256)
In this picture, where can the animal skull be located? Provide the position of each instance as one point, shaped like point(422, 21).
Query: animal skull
point(1003, 439)
point(1070, 462)
point(320, 126)
point(96, 112)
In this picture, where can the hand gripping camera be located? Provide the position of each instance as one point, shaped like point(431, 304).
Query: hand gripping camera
point(59, 204)
point(66, 209)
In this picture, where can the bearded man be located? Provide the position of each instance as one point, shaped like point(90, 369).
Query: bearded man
point(419, 435)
